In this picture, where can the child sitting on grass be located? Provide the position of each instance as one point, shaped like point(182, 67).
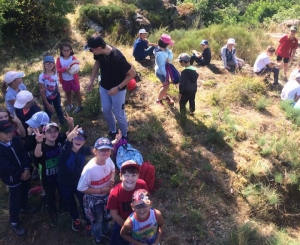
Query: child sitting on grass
point(188, 84)
point(144, 225)
point(48, 153)
point(120, 198)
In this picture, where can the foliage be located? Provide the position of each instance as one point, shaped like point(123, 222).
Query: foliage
point(33, 21)
point(290, 112)
point(285, 14)
point(92, 103)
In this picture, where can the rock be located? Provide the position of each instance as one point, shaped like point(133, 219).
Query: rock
point(93, 25)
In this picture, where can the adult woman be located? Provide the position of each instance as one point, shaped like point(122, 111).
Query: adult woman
point(162, 56)
point(228, 55)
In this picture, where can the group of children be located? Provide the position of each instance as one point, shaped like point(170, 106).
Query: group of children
point(27, 137)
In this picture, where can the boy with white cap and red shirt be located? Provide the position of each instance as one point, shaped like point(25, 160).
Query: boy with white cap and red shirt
point(144, 225)
point(12, 85)
point(142, 47)
point(121, 196)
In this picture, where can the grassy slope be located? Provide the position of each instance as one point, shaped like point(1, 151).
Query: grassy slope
point(202, 171)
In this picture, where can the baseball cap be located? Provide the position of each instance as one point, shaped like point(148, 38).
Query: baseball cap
point(141, 31)
point(10, 76)
point(38, 119)
point(23, 97)
point(130, 163)
point(166, 39)
point(231, 41)
point(6, 126)
point(183, 57)
point(50, 125)
point(94, 42)
point(204, 42)
point(49, 58)
point(293, 28)
point(140, 196)
point(103, 143)
point(82, 133)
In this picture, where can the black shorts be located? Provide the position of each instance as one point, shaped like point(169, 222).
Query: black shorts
point(285, 60)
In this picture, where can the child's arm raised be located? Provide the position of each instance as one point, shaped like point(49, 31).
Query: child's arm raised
point(39, 140)
point(70, 121)
point(118, 137)
point(125, 233)
point(160, 222)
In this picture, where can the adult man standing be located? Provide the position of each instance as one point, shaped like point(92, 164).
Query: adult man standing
point(286, 49)
point(116, 72)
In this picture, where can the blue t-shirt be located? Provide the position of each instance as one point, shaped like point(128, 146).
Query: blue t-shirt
point(11, 94)
point(139, 47)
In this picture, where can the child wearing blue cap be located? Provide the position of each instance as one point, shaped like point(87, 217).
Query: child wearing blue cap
point(203, 58)
point(49, 90)
point(96, 181)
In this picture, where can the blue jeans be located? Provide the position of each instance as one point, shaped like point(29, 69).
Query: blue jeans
point(68, 193)
point(56, 102)
point(116, 238)
point(100, 226)
point(147, 52)
point(113, 108)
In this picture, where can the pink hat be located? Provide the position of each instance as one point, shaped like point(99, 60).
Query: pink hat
point(166, 39)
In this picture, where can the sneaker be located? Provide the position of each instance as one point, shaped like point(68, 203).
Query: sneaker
point(192, 113)
point(159, 102)
point(76, 225)
point(78, 109)
point(18, 229)
point(111, 135)
point(53, 220)
point(69, 107)
point(170, 101)
point(88, 230)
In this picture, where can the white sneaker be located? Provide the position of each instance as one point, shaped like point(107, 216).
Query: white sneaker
point(69, 107)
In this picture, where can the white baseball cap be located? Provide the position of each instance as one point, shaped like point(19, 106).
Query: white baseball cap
point(141, 31)
point(23, 97)
point(12, 75)
point(231, 41)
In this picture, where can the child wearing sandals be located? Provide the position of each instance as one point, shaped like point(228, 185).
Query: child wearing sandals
point(70, 82)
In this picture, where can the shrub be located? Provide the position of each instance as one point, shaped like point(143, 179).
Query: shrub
point(262, 103)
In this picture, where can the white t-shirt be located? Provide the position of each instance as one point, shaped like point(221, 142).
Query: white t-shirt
point(51, 85)
point(96, 176)
point(261, 61)
point(290, 90)
point(66, 63)
point(293, 74)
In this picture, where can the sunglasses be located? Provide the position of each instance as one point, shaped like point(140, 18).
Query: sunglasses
point(293, 31)
point(142, 205)
point(79, 138)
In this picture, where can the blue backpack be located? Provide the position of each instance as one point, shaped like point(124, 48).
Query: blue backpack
point(127, 152)
point(172, 73)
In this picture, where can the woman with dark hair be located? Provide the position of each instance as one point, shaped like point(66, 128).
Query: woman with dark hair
point(14, 120)
point(162, 56)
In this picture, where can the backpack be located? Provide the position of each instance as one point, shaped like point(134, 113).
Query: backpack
point(172, 73)
point(147, 173)
point(127, 152)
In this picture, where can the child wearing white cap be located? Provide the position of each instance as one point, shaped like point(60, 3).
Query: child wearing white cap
point(228, 55)
point(142, 47)
point(11, 86)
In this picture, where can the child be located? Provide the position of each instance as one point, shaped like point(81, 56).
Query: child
point(188, 84)
point(69, 82)
point(14, 170)
point(142, 47)
point(120, 198)
point(71, 164)
point(48, 153)
point(11, 86)
point(96, 181)
point(144, 225)
point(202, 59)
point(48, 85)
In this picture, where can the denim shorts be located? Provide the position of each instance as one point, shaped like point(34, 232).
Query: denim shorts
point(161, 78)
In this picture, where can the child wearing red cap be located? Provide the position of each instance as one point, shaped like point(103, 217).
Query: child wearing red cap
point(144, 225)
point(120, 198)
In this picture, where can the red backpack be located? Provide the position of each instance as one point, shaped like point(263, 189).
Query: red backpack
point(147, 173)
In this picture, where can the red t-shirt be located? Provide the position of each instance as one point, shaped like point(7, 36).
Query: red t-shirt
point(286, 46)
point(120, 199)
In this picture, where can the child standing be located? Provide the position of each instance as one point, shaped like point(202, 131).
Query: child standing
point(14, 171)
point(69, 82)
point(11, 86)
point(48, 153)
point(48, 85)
point(96, 181)
point(188, 84)
point(144, 225)
point(121, 196)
